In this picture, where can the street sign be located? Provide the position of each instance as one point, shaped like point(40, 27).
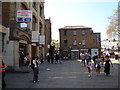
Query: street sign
point(24, 16)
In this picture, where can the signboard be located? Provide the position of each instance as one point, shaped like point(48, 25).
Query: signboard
point(24, 16)
point(42, 39)
point(35, 35)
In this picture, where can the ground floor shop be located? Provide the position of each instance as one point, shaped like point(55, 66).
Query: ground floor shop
point(75, 53)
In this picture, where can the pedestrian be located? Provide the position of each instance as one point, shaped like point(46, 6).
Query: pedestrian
point(87, 56)
point(3, 70)
point(107, 65)
point(82, 56)
point(95, 56)
point(36, 63)
point(56, 58)
point(89, 67)
point(28, 59)
point(97, 65)
point(21, 59)
point(48, 57)
point(102, 58)
point(41, 58)
point(52, 58)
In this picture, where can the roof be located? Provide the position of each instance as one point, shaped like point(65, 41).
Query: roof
point(74, 27)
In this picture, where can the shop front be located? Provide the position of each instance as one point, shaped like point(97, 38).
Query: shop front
point(65, 54)
point(75, 54)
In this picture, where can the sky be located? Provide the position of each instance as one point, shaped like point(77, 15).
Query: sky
point(90, 13)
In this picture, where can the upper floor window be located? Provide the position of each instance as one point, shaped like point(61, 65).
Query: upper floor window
point(74, 42)
point(34, 5)
point(83, 42)
point(34, 23)
point(40, 11)
point(65, 33)
point(98, 39)
point(74, 32)
point(83, 32)
point(65, 42)
point(40, 28)
point(23, 7)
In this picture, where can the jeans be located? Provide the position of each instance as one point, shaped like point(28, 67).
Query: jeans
point(35, 70)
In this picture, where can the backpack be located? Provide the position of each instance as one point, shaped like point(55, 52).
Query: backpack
point(32, 65)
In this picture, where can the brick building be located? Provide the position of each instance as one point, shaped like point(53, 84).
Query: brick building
point(77, 39)
point(20, 39)
point(48, 37)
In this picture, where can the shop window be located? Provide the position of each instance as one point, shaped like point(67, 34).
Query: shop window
point(74, 42)
point(74, 32)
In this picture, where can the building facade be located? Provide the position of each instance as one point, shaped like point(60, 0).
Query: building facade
point(48, 37)
point(77, 39)
point(20, 38)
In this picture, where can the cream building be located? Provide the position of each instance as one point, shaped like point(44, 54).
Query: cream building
point(22, 39)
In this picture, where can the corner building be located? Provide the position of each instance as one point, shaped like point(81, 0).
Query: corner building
point(77, 39)
point(19, 38)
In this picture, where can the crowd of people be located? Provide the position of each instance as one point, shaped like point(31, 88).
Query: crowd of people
point(96, 62)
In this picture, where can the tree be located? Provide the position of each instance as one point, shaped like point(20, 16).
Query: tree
point(113, 30)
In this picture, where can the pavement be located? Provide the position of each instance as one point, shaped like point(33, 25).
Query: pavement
point(69, 74)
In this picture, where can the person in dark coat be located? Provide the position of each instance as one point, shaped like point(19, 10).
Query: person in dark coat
point(107, 65)
point(56, 58)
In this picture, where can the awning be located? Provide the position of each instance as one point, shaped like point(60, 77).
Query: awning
point(75, 50)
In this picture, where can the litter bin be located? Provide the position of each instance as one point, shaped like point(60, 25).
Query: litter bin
point(116, 56)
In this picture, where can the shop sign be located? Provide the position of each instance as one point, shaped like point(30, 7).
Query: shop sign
point(35, 35)
point(42, 39)
point(24, 16)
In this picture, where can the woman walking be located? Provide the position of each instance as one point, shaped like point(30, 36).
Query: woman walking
point(89, 66)
point(107, 65)
point(97, 65)
point(36, 63)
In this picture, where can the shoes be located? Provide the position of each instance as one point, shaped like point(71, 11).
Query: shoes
point(34, 81)
point(89, 76)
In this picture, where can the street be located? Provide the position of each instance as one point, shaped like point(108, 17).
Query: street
point(69, 74)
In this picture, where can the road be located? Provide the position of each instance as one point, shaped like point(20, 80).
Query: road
point(69, 74)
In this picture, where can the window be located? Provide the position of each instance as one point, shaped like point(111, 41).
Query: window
point(41, 11)
point(74, 32)
point(65, 33)
point(98, 39)
point(83, 42)
point(34, 23)
point(65, 42)
point(23, 7)
point(3, 43)
point(83, 32)
point(40, 28)
point(34, 5)
point(74, 42)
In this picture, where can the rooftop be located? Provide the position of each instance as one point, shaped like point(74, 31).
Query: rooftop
point(74, 27)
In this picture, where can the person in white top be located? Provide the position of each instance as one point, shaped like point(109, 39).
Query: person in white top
point(89, 66)
point(36, 63)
